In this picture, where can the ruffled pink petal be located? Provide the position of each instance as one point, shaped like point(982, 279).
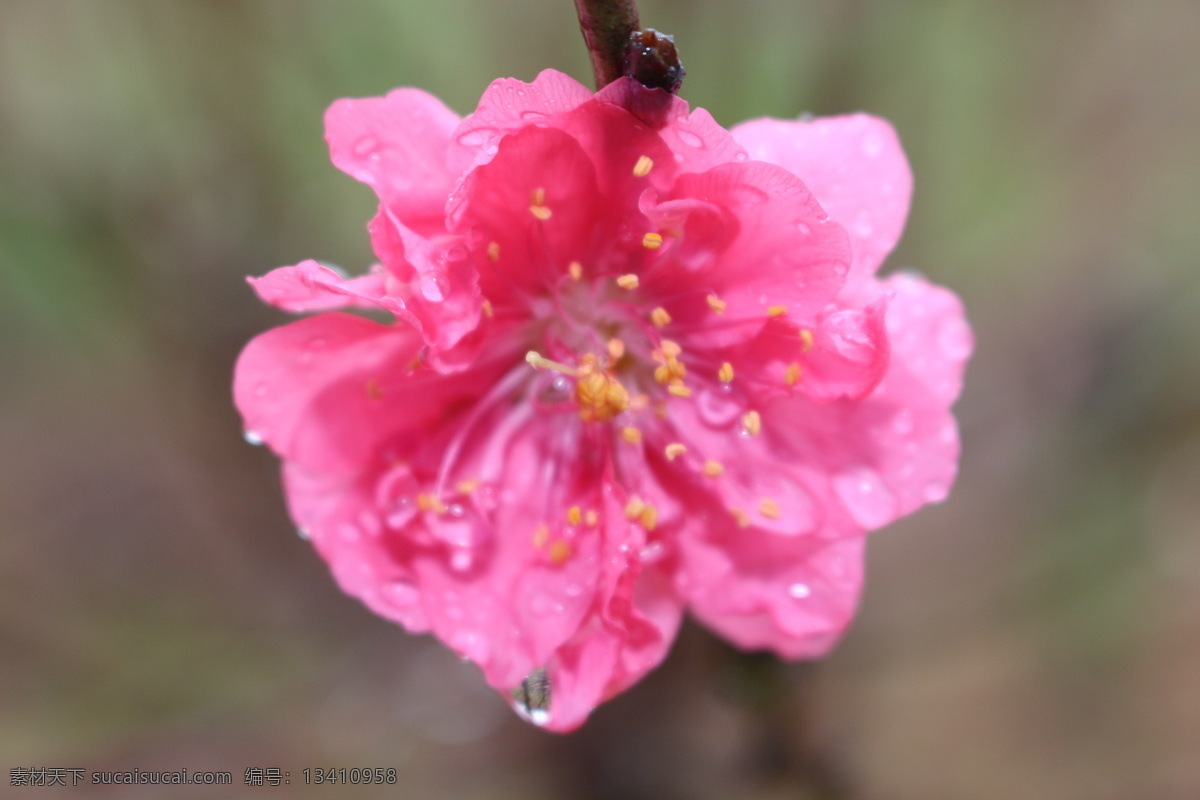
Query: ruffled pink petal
point(698, 142)
point(856, 168)
point(508, 105)
point(397, 145)
point(529, 213)
point(750, 235)
point(310, 286)
point(792, 596)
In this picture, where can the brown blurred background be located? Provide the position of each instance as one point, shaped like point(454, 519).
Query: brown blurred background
point(1037, 636)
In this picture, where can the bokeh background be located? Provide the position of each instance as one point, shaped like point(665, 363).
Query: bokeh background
point(1036, 636)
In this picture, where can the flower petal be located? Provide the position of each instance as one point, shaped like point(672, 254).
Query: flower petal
point(856, 168)
point(311, 286)
point(397, 145)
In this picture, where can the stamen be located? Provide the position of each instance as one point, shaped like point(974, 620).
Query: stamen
point(743, 520)
point(467, 486)
point(493, 251)
point(649, 517)
point(652, 241)
point(429, 502)
point(601, 397)
point(591, 518)
point(616, 349)
point(574, 515)
point(752, 422)
point(538, 361)
point(718, 306)
point(635, 507)
point(660, 317)
point(560, 551)
point(643, 166)
point(628, 281)
point(806, 340)
point(670, 349)
point(677, 388)
point(575, 270)
point(488, 311)
point(768, 508)
point(674, 450)
point(792, 374)
point(713, 469)
point(776, 311)
point(537, 205)
point(725, 373)
point(631, 434)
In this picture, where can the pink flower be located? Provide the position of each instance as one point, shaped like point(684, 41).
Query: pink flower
point(639, 364)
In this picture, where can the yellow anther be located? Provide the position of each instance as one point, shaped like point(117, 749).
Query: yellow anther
point(643, 166)
point(791, 374)
point(574, 515)
point(635, 507)
point(652, 241)
point(660, 317)
point(768, 508)
point(713, 469)
point(600, 397)
point(575, 270)
point(591, 518)
point(467, 486)
point(373, 390)
point(429, 502)
point(776, 311)
point(718, 306)
point(752, 422)
point(670, 348)
point(560, 551)
point(628, 281)
point(537, 204)
point(631, 434)
point(806, 340)
point(616, 349)
point(488, 311)
point(662, 373)
point(649, 517)
point(493, 251)
point(538, 197)
point(541, 212)
point(677, 388)
point(743, 520)
point(541, 535)
point(725, 373)
point(675, 450)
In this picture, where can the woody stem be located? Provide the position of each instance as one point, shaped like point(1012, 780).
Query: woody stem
point(607, 26)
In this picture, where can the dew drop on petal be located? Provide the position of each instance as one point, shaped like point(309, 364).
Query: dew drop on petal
point(716, 408)
point(936, 491)
point(902, 422)
point(303, 533)
point(401, 594)
point(366, 146)
point(865, 496)
point(651, 552)
point(531, 698)
point(689, 138)
point(872, 145)
point(799, 590)
point(471, 645)
point(253, 437)
point(461, 559)
point(954, 338)
point(864, 226)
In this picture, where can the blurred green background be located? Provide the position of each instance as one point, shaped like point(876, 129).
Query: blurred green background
point(1037, 636)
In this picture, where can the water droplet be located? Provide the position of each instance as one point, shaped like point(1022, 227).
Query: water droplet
point(652, 552)
point(866, 497)
point(366, 146)
point(303, 533)
point(716, 408)
point(741, 156)
point(803, 228)
point(902, 422)
point(461, 560)
point(872, 145)
point(689, 138)
point(476, 137)
point(936, 491)
point(471, 645)
point(401, 594)
point(432, 289)
point(954, 338)
point(863, 224)
point(533, 116)
point(799, 590)
point(253, 437)
point(531, 698)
